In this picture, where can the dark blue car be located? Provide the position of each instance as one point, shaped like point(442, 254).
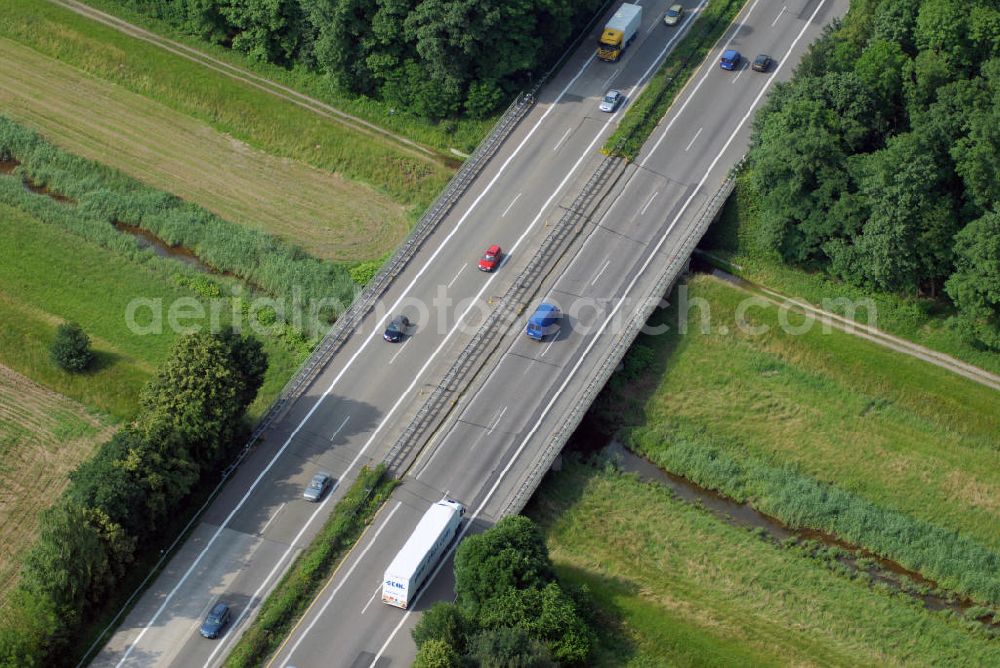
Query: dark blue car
point(730, 59)
point(217, 619)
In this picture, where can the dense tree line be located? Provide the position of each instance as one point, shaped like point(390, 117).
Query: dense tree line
point(434, 58)
point(510, 610)
point(879, 161)
point(119, 502)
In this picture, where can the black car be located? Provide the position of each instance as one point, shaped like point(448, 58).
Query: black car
point(396, 330)
point(762, 63)
point(217, 619)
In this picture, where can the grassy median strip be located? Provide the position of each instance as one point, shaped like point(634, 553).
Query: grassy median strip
point(292, 596)
point(642, 116)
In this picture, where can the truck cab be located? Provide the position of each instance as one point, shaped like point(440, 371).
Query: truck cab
point(545, 321)
point(619, 32)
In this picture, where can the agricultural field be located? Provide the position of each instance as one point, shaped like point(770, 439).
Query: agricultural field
point(823, 430)
point(340, 193)
point(329, 216)
point(55, 276)
point(672, 586)
point(43, 436)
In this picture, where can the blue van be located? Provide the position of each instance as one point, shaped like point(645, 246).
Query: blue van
point(730, 59)
point(544, 322)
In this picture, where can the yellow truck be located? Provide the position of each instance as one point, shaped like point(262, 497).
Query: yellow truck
point(619, 32)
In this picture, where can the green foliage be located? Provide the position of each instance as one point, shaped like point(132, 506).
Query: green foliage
point(511, 555)
point(443, 622)
point(433, 58)
point(437, 654)
point(883, 146)
point(363, 272)
point(510, 610)
point(297, 589)
point(643, 114)
point(101, 197)
point(975, 285)
point(70, 351)
point(116, 501)
point(507, 647)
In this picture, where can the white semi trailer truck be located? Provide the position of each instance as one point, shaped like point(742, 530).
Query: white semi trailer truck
point(422, 550)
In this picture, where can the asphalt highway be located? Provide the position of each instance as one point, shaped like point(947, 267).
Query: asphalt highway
point(490, 445)
point(349, 415)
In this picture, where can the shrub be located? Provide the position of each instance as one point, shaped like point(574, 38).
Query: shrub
point(70, 351)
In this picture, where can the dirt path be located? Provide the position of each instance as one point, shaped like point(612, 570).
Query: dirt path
point(974, 373)
point(250, 78)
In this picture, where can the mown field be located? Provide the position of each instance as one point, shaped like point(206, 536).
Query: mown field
point(327, 215)
point(823, 430)
point(677, 586)
point(379, 187)
point(43, 436)
point(919, 319)
point(56, 276)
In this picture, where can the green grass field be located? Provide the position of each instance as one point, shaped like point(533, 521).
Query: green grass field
point(815, 409)
point(921, 320)
point(247, 114)
point(677, 586)
point(56, 276)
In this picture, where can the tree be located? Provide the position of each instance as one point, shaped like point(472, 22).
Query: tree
point(975, 285)
point(70, 350)
point(437, 654)
point(510, 555)
point(266, 30)
point(443, 622)
point(508, 648)
point(200, 393)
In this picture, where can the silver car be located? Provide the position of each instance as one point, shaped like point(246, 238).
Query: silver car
point(317, 487)
point(673, 15)
point(611, 101)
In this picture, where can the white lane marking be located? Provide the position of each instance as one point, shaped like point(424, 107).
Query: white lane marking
point(377, 590)
point(505, 211)
point(643, 212)
point(393, 358)
point(776, 18)
point(347, 576)
point(455, 278)
point(709, 68)
point(562, 139)
point(342, 424)
point(231, 637)
point(277, 455)
point(681, 29)
point(693, 140)
point(743, 69)
point(497, 421)
point(554, 339)
point(528, 368)
point(607, 262)
point(653, 27)
point(612, 77)
point(496, 484)
point(264, 528)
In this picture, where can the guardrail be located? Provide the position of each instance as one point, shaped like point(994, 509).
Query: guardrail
point(619, 347)
point(365, 301)
point(511, 305)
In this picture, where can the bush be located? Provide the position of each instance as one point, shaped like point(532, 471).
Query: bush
point(70, 351)
point(437, 654)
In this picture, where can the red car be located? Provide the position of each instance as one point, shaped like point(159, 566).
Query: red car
point(491, 258)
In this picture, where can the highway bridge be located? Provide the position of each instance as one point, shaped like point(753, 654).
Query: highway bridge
point(467, 406)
